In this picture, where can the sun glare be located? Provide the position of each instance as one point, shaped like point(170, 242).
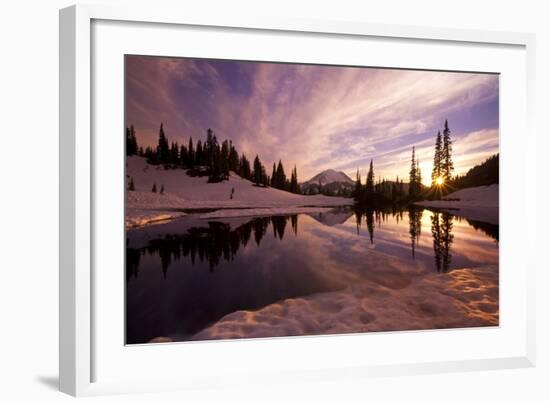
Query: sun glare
point(439, 180)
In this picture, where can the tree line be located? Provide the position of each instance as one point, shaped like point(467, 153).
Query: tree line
point(394, 191)
point(486, 173)
point(211, 158)
point(378, 192)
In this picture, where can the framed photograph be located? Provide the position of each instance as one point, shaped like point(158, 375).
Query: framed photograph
point(276, 200)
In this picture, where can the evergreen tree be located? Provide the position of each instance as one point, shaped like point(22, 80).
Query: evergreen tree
point(418, 178)
point(244, 168)
point(131, 186)
point(128, 142)
point(184, 156)
point(131, 141)
point(233, 158)
point(358, 186)
point(265, 178)
point(281, 176)
point(224, 159)
point(258, 171)
point(134, 140)
point(395, 189)
point(174, 153)
point(199, 154)
point(216, 164)
point(213, 150)
point(413, 176)
point(274, 176)
point(294, 187)
point(447, 166)
point(161, 189)
point(154, 188)
point(149, 154)
point(369, 185)
point(436, 170)
point(190, 153)
point(209, 147)
point(162, 147)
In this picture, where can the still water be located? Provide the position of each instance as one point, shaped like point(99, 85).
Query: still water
point(185, 276)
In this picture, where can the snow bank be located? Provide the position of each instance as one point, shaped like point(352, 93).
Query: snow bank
point(461, 298)
point(477, 203)
point(273, 211)
point(136, 218)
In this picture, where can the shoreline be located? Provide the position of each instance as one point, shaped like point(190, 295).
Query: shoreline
point(475, 203)
point(139, 218)
point(484, 214)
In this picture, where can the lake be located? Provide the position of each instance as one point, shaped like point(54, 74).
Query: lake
point(342, 271)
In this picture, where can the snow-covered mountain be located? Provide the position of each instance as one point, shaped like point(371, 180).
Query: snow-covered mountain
point(329, 181)
point(329, 176)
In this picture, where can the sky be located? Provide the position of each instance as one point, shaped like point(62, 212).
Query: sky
point(313, 116)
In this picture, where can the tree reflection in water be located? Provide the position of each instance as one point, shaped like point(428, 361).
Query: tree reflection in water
point(415, 227)
point(279, 225)
point(133, 257)
point(218, 241)
point(487, 228)
point(442, 233)
point(441, 229)
point(294, 223)
point(210, 244)
point(369, 214)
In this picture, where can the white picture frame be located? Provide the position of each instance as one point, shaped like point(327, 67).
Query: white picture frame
point(78, 220)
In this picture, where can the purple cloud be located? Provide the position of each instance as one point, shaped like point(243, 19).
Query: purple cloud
point(315, 117)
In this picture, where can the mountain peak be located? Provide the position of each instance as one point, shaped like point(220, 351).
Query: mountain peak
point(329, 176)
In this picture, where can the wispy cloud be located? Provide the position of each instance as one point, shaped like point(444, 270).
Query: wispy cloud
point(315, 117)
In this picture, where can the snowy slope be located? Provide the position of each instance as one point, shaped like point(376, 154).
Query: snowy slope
point(477, 203)
point(184, 192)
